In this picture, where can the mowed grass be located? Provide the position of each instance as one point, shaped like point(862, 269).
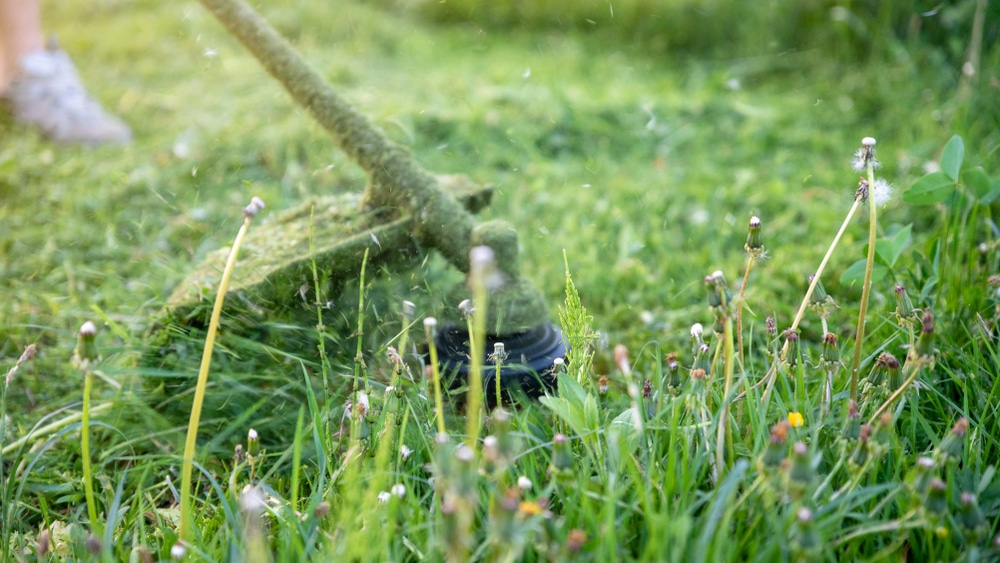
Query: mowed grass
point(643, 166)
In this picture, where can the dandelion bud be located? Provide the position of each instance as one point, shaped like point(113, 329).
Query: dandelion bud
point(177, 551)
point(971, 516)
point(925, 342)
point(860, 455)
point(883, 432)
point(819, 295)
point(830, 351)
point(777, 447)
point(904, 307)
point(524, 483)
point(792, 339)
point(255, 207)
point(86, 355)
point(952, 446)
point(647, 389)
point(238, 454)
point(937, 501)
point(876, 377)
point(893, 372)
point(602, 385)
point(718, 290)
point(673, 372)
point(920, 476)
point(562, 456)
point(807, 537)
point(852, 427)
point(253, 443)
point(698, 374)
point(770, 326)
point(800, 473)
point(702, 358)
point(92, 545)
point(754, 245)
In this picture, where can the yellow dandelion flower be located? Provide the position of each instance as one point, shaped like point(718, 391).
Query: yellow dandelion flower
point(795, 419)
point(529, 508)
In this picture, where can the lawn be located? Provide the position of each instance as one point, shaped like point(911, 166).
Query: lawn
point(630, 152)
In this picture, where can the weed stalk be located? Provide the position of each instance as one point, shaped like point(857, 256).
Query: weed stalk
point(185, 532)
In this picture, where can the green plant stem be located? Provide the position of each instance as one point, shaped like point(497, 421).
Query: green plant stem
point(359, 360)
point(496, 379)
point(867, 286)
point(477, 340)
point(88, 484)
point(772, 373)
point(186, 523)
point(739, 308)
point(723, 434)
point(436, 374)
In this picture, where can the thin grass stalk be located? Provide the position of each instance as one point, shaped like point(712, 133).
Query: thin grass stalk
point(187, 521)
point(867, 285)
point(739, 308)
point(359, 360)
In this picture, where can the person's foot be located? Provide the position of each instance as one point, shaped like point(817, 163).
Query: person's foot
point(49, 95)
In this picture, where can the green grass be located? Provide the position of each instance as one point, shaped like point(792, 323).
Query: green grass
point(639, 160)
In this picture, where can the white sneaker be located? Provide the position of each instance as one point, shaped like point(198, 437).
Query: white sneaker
point(49, 95)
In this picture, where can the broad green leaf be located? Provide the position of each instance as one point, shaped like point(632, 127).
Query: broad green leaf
point(890, 248)
point(978, 182)
point(932, 188)
point(951, 157)
point(855, 274)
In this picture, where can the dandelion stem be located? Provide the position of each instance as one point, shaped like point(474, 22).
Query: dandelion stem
point(772, 374)
point(867, 286)
point(477, 341)
point(436, 374)
point(88, 484)
point(185, 531)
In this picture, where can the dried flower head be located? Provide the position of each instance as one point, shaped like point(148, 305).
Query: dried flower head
point(255, 206)
point(602, 384)
point(865, 156)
